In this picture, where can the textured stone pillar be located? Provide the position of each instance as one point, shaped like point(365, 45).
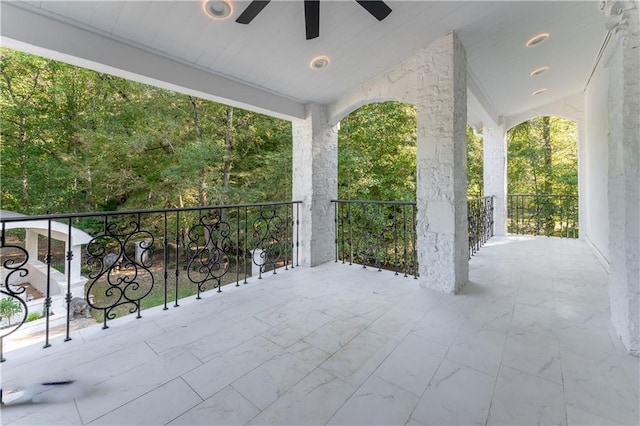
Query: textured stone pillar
point(441, 107)
point(494, 147)
point(76, 263)
point(31, 245)
point(624, 176)
point(315, 183)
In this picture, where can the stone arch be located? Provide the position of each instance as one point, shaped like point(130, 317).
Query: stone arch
point(570, 108)
point(532, 116)
point(397, 85)
point(356, 105)
point(563, 208)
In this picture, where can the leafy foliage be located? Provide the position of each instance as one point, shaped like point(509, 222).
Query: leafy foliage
point(475, 163)
point(543, 157)
point(76, 140)
point(8, 308)
point(377, 153)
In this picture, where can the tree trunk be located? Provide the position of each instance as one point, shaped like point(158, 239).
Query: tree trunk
point(22, 147)
point(202, 187)
point(228, 139)
point(549, 223)
point(546, 140)
point(88, 195)
point(226, 172)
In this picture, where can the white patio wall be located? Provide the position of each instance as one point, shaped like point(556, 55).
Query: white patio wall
point(594, 225)
point(494, 151)
point(623, 104)
point(612, 163)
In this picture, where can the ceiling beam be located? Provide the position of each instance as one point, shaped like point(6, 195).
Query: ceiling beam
point(34, 33)
point(480, 109)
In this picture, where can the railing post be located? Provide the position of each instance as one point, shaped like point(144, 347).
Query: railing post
point(68, 295)
point(177, 270)
point(165, 255)
point(47, 301)
point(335, 227)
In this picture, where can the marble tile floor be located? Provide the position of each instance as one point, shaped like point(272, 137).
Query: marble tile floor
point(528, 341)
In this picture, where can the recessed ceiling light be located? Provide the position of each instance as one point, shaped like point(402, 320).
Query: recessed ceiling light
point(538, 71)
point(319, 62)
point(535, 40)
point(217, 9)
point(539, 92)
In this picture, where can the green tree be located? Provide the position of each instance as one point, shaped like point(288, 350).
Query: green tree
point(8, 308)
point(377, 153)
point(543, 157)
point(475, 164)
point(29, 156)
point(77, 140)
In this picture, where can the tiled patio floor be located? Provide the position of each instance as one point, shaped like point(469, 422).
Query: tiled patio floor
point(528, 342)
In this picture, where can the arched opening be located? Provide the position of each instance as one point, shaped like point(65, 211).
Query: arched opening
point(377, 166)
point(377, 153)
point(542, 177)
point(376, 214)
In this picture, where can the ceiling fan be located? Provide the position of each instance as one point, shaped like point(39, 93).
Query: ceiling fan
point(377, 8)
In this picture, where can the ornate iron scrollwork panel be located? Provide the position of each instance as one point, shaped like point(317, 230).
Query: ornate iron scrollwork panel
point(119, 278)
point(209, 247)
point(14, 259)
point(269, 234)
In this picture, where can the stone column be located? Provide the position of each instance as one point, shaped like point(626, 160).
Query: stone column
point(441, 193)
point(31, 245)
point(315, 183)
point(76, 263)
point(624, 172)
point(494, 147)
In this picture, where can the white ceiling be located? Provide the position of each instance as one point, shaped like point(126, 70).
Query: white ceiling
point(271, 53)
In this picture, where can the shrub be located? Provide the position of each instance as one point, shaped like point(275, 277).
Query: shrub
point(33, 316)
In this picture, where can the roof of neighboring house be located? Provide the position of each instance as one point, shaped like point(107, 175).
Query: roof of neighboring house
point(59, 230)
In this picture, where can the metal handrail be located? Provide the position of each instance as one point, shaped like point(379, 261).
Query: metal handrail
point(142, 258)
point(148, 211)
point(377, 233)
point(543, 214)
point(383, 233)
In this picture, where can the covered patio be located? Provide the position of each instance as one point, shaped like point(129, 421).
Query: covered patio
point(523, 343)
point(491, 65)
point(530, 331)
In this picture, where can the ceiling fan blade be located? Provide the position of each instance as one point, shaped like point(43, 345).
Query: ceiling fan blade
point(312, 18)
point(252, 11)
point(377, 8)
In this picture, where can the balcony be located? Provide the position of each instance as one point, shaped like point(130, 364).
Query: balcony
point(527, 341)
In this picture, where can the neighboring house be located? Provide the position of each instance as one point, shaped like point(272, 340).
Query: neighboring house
point(38, 270)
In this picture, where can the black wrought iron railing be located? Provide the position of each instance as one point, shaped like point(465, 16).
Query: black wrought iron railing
point(480, 217)
point(381, 234)
point(133, 260)
point(553, 215)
